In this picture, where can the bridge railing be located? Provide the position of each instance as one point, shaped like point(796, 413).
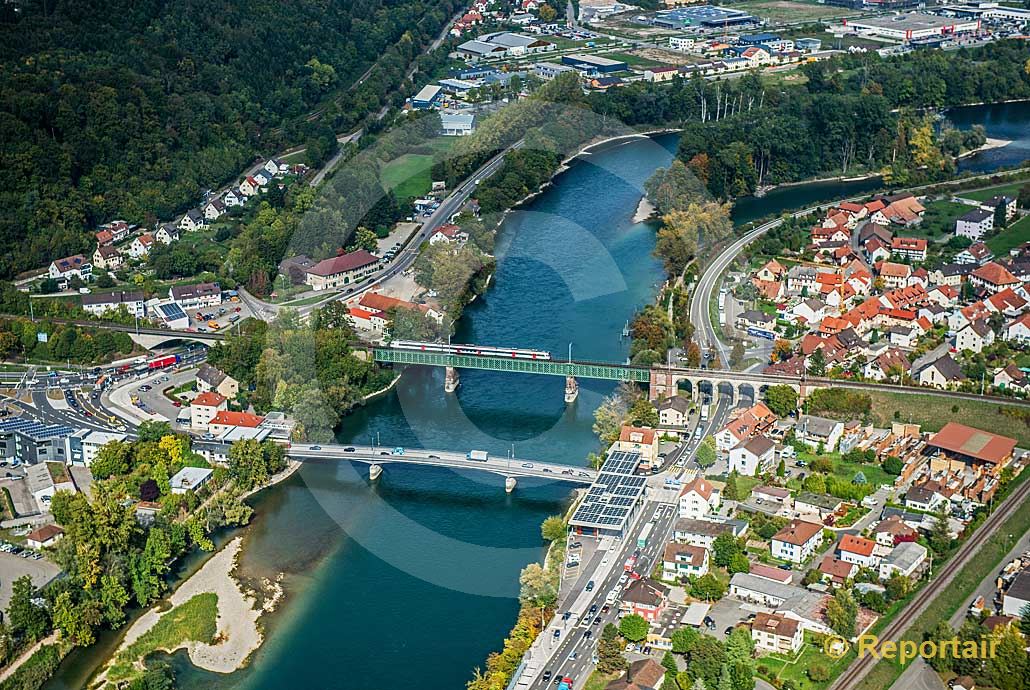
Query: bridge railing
point(592, 370)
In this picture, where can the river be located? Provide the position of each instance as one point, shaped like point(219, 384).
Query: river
point(412, 581)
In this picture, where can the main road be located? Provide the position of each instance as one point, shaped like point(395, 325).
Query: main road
point(406, 257)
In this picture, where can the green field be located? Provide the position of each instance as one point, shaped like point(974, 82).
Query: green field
point(933, 412)
point(985, 194)
point(634, 60)
point(1012, 236)
point(796, 668)
point(786, 11)
point(938, 221)
point(408, 175)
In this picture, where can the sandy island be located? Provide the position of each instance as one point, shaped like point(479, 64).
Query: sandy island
point(238, 633)
point(645, 209)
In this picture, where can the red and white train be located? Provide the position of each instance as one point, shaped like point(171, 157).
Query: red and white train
point(464, 349)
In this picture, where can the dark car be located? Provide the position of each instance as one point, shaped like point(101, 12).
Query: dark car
point(590, 586)
point(348, 450)
point(606, 608)
point(593, 609)
point(786, 566)
point(565, 616)
point(728, 630)
point(588, 634)
point(547, 676)
point(597, 621)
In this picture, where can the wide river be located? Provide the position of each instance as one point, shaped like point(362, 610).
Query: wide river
point(412, 581)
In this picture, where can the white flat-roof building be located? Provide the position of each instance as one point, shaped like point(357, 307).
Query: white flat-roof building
point(189, 479)
point(910, 27)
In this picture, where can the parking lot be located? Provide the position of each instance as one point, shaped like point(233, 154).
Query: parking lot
point(220, 317)
point(14, 566)
point(149, 392)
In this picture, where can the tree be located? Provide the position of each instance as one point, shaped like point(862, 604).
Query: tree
point(669, 664)
point(151, 431)
point(708, 587)
point(76, 620)
point(1007, 668)
point(24, 617)
point(643, 413)
point(634, 627)
point(783, 400)
point(705, 456)
point(817, 363)
point(111, 460)
point(725, 547)
point(365, 239)
point(781, 469)
point(842, 613)
point(538, 588)
point(893, 465)
point(939, 537)
point(706, 660)
point(737, 353)
point(683, 639)
point(554, 529)
point(732, 491)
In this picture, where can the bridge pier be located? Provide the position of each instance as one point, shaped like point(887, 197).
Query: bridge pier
point(451, 380)
point(374, 471)
point(509, 484)
point(571, 389)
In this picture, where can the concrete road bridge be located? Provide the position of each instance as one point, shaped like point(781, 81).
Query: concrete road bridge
point(509, 468)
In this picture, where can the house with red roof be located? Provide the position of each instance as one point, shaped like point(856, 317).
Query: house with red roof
point(836, 571)
point(341, 270)
point(1007, 302)
point(1018, 330)
point(643, 440)
point(857, 550)
point(697, 499)
point(224, 420)
point(367, 320)
point(204, 407)
point(992, 277)
point(797, 541)
point(912, 248)
point(893, 275)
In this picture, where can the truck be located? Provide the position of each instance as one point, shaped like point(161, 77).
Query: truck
point(565, 684)
point(644, 534)
point(477, 455)
point(162, 362)
point(704, 412)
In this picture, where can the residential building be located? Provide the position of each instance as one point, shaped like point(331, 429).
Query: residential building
point(819, 505)
point(100, 303)
point(992, 277)
point(189, 479)
point(837, 571)
point(71, 267)
point(797, 541)
point(224, 420)
point(815, 431)
point(753, 456)
point(457, 124)
point(674, 411)
point(975, 336)
point(925, 496)
point(684, 560)
point(214, 209)
point(341, 270)
point(107, 258)
point(1006, 202)
point(975, 224)
point(646, 599)
point(944, 372)
point(43, 537)
point(85, 444)
point(141, 245)
point(772, 632)
point(760, 590)
point(640, 440)
point(210, 378)
point(204, 408)
point(857, 550)
point(912, 248)
point(196, 296)
point(698, 498)
point(892, 531)
point(702, 533)
point(1018, 330)
point(977, 253)
point(907, 558)
point(192, 220)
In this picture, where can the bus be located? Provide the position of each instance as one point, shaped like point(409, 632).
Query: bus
point(761, 333)
point(644, 534)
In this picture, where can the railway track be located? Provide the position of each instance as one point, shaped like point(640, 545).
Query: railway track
point(857, 671)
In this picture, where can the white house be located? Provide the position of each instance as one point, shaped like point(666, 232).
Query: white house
point(71, 267)
point(674, 411)
point(753, 456)
point(192, 220)
point(941, 373)
point(234, 198)
point(214, 209)
point(1018, 329)
point(99, 303)
point(190, 479)
point(797, 541)
point(772, 632)
point(697, 499)
point(204, 408)
point(683, 560)
point(906, 558)
point(975, 224)
point(141, 245)
point(196, 296)
point(107, 258)
point(974, 337)
point(812, 431)
point(857, 550)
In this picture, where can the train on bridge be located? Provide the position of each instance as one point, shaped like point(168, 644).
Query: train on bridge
point(467, 349)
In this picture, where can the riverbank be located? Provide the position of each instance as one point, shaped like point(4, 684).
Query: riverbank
point(987, 146)
point(236, 635)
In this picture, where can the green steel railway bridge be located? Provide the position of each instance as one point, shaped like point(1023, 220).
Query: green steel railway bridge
point(662, 381)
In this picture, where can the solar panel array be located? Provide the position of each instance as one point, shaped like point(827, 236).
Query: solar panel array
point(611, 498)
point(34, 429)
point(172, 311)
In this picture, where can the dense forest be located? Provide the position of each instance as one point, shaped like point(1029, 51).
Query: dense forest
point(131, 109)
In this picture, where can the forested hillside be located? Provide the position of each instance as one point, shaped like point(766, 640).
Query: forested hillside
point(131, 108)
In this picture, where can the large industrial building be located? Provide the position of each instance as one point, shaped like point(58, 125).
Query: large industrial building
point(703, 16)
point(613, 499)
point(594, 63)
point(911, 27)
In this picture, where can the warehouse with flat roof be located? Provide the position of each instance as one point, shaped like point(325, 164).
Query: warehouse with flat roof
point(594, 63)
point(912, 26)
